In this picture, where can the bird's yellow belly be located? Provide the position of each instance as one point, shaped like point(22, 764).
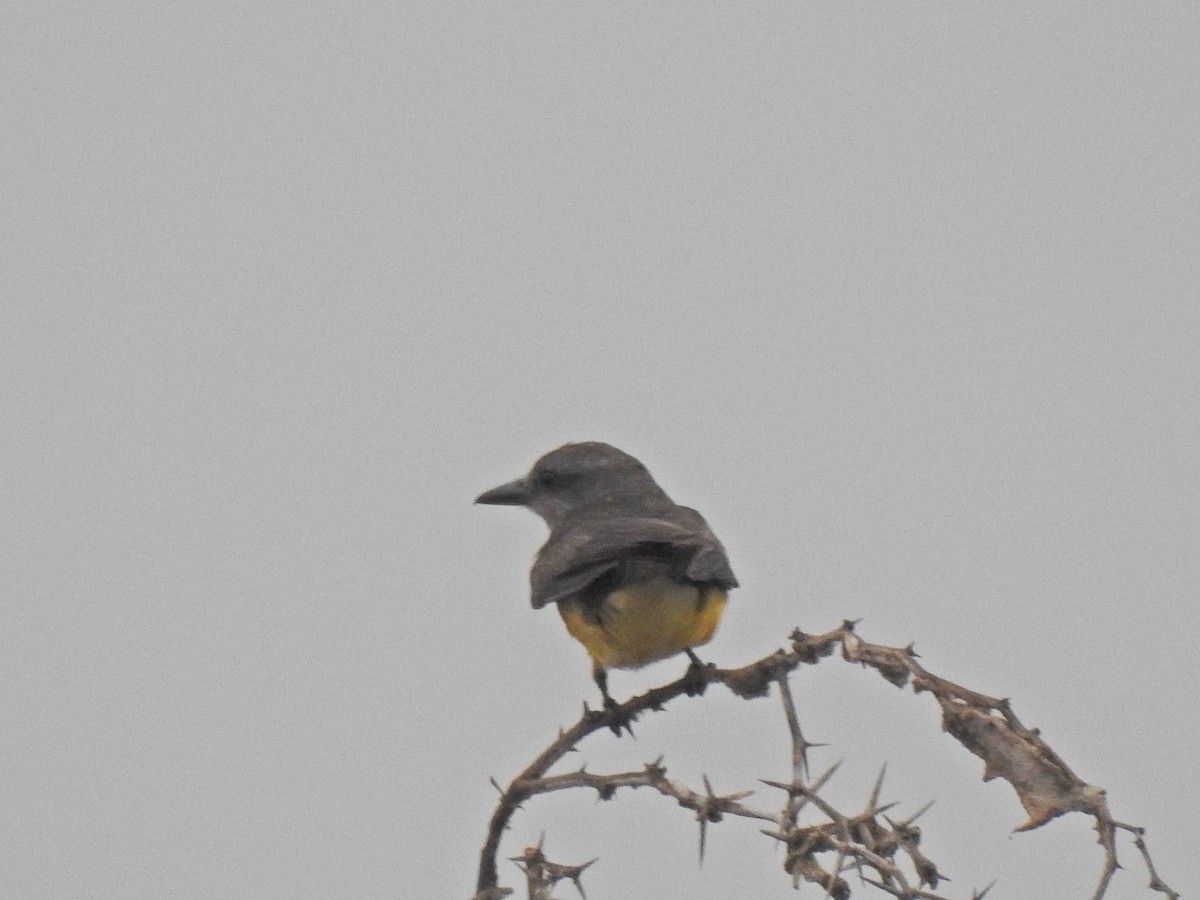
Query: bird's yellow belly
point(644, 622)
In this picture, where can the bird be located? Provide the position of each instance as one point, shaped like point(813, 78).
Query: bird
point(636, 577)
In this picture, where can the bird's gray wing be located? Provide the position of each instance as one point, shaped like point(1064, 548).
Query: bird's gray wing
point(709, 563)
point(578, 554)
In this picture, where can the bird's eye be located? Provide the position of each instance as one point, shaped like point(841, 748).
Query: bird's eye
point(550, 480)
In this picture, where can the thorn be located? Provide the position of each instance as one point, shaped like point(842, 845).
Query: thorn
point(875, 791)
point(573, 872)
point(880, 810)
point(920, 812)
point(826, 775)
point(737, 797)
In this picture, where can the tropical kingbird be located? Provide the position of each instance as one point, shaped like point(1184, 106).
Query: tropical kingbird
point(636, 577)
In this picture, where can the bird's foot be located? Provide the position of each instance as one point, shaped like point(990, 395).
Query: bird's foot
point(618, 719)
point(696, 676)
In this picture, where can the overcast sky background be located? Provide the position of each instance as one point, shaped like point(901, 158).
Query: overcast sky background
point(905, 298)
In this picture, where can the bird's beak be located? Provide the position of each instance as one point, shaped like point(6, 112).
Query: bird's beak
point(515, 493)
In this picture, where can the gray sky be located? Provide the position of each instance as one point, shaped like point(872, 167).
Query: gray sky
point(904, 297)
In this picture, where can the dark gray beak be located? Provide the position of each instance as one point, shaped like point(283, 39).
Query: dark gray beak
point(515, 493)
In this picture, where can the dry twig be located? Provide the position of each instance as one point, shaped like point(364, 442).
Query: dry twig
point(867, 843)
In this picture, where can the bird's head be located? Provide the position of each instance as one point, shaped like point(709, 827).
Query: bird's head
point(577, 478)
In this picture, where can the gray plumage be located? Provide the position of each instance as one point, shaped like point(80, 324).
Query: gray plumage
point(608, 520)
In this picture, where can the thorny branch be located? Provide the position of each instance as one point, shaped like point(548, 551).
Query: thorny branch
point(868, 843)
